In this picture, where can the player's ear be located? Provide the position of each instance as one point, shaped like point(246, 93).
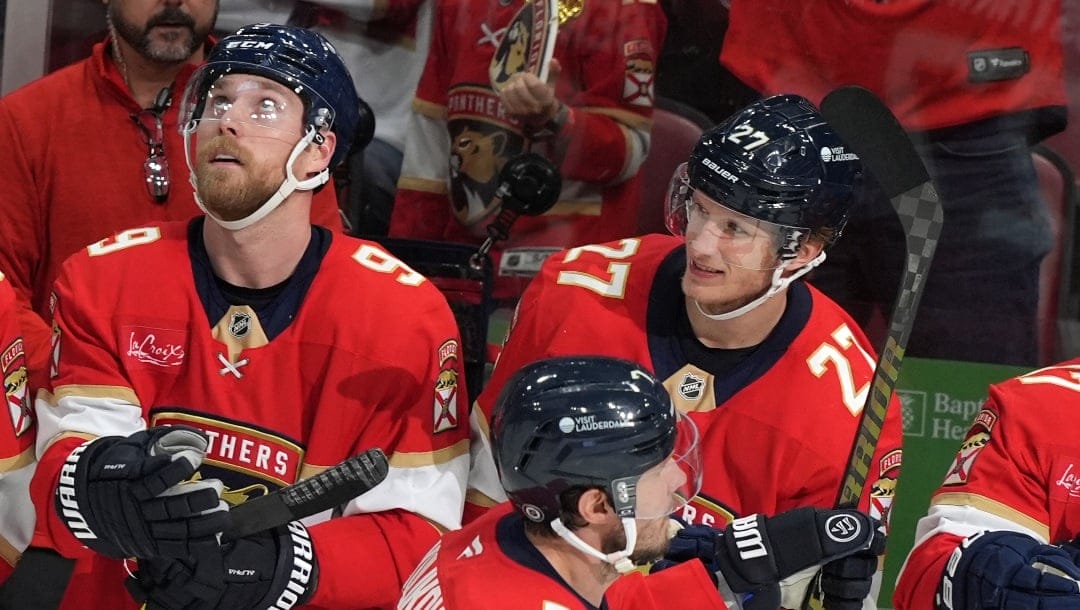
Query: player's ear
point(318, 156)
point(808, 250)
point(594, 507)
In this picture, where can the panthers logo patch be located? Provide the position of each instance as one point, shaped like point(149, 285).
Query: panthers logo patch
point(977, 439)
point(883, 491)
point(13, 367)
point(445, 414)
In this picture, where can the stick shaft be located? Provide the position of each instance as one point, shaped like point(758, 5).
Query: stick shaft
point(920, 213)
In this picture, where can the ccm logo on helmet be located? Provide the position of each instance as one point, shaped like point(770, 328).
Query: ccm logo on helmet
point(723, 172)
point(248, 44)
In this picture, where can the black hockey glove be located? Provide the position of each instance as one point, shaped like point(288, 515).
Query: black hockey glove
point(122, 497)
point(275, 568)
point(756, 552)
point(999, 569)
point(846, 582)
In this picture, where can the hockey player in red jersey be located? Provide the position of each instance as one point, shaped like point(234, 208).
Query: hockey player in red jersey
point(595, 457)
point(246, 350)
point(592, 120)
point(16, 438)
point(756, 357)
point(1002, 529)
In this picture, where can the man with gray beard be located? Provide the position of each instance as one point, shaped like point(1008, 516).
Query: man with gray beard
point(94, 148)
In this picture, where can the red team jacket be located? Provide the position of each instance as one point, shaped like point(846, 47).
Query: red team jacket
point(931, 61)
point(16, 438)
point(71, 173)
point(1018, 469)
point(473, 568)
point(461, 136)
point(776, 429)
point(145, 336)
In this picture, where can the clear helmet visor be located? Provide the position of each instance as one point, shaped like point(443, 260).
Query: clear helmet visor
point(248, 101)
point(739, 240)
point(668, 486)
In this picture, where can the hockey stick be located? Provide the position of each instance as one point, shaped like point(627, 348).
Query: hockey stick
point(870, 129)
point(41, 575)
point(331, 487)
point(867, 126)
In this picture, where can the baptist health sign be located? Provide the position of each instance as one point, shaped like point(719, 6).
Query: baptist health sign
point(939, 398)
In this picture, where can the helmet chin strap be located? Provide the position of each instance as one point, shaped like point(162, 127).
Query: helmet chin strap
point(778, 283)
point(619, 559)
point(290, 184)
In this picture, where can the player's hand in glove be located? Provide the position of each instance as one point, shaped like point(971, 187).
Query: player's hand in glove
point(846, 582)
point(271, 569)
point(755, 553)
point(122, 497)
point(1001, 569)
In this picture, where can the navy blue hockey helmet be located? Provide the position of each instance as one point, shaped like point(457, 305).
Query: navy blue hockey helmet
point(302, 60)
point(587, 421)
point(776, 160)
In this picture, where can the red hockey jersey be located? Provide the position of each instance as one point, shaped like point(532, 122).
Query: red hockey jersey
point(16, 438)
point(461, 137)
point(1018, 469)
point(284, 390)
point(935, 63)
point(471, 569)
point(776, 429)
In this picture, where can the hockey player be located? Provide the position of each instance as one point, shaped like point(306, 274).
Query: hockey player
point(756, 357)
point(1010, 496)
point(594, 458)
point(254, 346)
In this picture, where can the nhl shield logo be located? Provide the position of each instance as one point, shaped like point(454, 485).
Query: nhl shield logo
point(240, 324)
point(691, 386)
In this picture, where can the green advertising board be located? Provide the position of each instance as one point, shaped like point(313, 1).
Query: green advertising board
point(939, 398)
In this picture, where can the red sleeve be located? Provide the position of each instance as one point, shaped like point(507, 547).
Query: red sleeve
point(22, 245)
point(82, 339)
point(365, 559)
point(922, 572)
point(17, 430)
point(879, 493)
point(609, 62)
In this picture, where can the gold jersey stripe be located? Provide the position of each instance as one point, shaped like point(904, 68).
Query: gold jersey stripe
point(994, 508)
